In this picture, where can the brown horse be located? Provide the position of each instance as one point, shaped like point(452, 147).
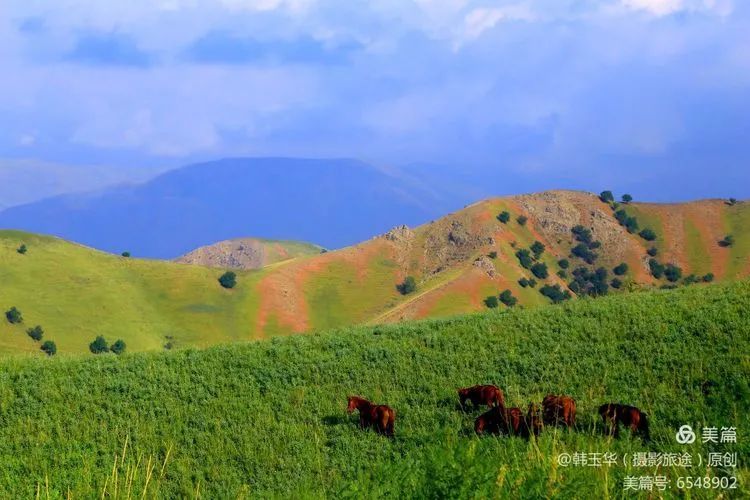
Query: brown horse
point(629, 416)
point(533, 423)
point(559, 409)
point(381, 417)
point(499, 419)
point(489, 395)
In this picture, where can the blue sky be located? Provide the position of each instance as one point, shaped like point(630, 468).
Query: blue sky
point(650, 96)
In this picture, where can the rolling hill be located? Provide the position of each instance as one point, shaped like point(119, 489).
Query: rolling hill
point(267, 419)
point(248, 253)
point(457, 261)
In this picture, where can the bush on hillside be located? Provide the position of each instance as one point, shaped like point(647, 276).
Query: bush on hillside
point(690, 279)
point(657, 269)
point(583, 252)
point(616, 283)
point(408, 286)
point(99, 345)
point(539, 270)
point(524, 258)
point(504, 217)
point(522, 220)
point(537, 248)
point(562, 274)
point(732, 201)
point(491, 302)
point(626, 198)
point(125, 254)
point(554, 293)
point(708, 278)
point(118, 347)
point(672, 273)
point(228, 279)
point(35, 333)
point(22, 249)
point(492, 255)
point(586, 282)
point(13, 315)
point(647, 234)
point(607, 196)
point(563, 263)
point(507, 298)
point(49, 347)
point(728, 241)
point(581, 234)
point(620, 269)
point(653, 251)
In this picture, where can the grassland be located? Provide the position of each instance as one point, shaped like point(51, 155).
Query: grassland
point(266, 419)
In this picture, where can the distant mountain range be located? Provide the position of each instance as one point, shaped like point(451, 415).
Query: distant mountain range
point(333, 203)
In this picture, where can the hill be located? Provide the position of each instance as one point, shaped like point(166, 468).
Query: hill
point(332, 202)
point(267, 419)
point(77, 293)
point(247, 253)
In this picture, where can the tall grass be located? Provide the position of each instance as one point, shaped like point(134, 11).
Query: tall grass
point(267, 419)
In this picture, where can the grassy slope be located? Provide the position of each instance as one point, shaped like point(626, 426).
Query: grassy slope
point(267, 419)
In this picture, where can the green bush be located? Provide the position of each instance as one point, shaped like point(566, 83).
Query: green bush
point(563, 263)
point(690, 279)
point(524, 258)
point(657, 269)
point(228, 279)
point(49, 347)
point(99, 345)
point(125, 254)
point(592, 283)
point(562, 274)
point(35, 333)
point(537, 248)
point(653, 251)
point(647, 234)
point(728, 241)
point(492, 255)
point(626, 198)
point(539, 270)
point(616, 283)
point(672, 272)
point(13, 315)
point(504, 217)
point(708, 278)
point(582, 235)
point(607, 196)
point(408, 286)
point(583, 252)
point(507, 298)
point(22, 249)
point(554, 293)
point(621, 269)
point(118, 347)
point(491, 302)
point(522, 220)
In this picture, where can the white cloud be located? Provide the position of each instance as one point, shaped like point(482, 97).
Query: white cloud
point(481, 19)
point(666, 7)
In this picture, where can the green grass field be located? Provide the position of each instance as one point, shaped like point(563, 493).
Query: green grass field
point(266, 419)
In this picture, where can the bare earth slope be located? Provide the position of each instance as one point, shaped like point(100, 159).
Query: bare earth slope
point(248, 253)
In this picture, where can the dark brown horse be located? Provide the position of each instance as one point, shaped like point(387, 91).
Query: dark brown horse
point(629, 416)
point(499, 419)
point(489, 395)
point(381, 417)
point(533, 423)
point(559, 409)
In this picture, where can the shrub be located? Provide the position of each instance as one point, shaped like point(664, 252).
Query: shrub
point(13, 315)
point(228, 279)
point(492, 255)
point(125, 254)
point(504, 217)
point(672, 273)
point(607, 196)
point(563, 263)
point(540, 270)
point(616, 283)
point(621, 269)
point(732, 201)
point(491, 302)
point(99, 345)
point(562, 274)
point(537, 248)
point(508, 299)
point(583, 252)
point(524, 258)
point(554, 293)
point(582, 234)
point(621, 216)
point(595, 244)
point(708, 278)
point(690, 279)
point(22, 249)
point(586, 282)
point(626, 198)
point(408, 286)
point(653, 251)
point(532, 283)
point(523, 282)
point(657, 269)
point(522, 220)
point(647, 234)
point(631, 224)
point(118, 347)
point(35, 333)
point(49, 347)
point(728, 241)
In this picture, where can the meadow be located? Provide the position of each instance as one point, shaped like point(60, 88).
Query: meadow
point(267, 419)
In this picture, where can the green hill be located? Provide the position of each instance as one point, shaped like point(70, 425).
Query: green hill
point(267, 419)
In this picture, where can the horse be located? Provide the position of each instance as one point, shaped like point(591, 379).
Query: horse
point(559, 409)
point(381, 417)
point(629, 416)
point(533, 423)
point(499, 419)
point(489, 395)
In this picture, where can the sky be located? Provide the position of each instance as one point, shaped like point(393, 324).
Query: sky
point(650, 96)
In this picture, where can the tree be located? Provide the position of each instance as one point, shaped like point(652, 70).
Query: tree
point(228, 279)
point(647, 234)
point(491, 302)
point(99, 345)
point(524, 258)
point(563, 263)
point(732, 201)
point(690, 279)
point(538, 248)
point(607, 196)
point(35, 333)
point(620, 269)
point(562, 274)
point(408, 286)
point(626, 198)
point(631, 224)
point(522, 220)
point(657, 269)
point(125, 254)
point(13, 315)
point(583, 252)
point(728, 241)
point(523, 282)
point(492, 255)
point(581, 234)
point(708, 278)
point(49, 347)
point(118, 347)
point(554, 293)
point(22, 249)
point(616, 283)
point(540, 270)
point(673, 273)
point(653, 251)
point(504, 217)
point(508, 299)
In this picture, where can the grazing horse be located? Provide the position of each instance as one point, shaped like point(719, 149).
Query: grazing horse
point(533, 423)
point(489, 395)
point(499, 419)
point(381, 417)
point(629, 416)
point(559, 409)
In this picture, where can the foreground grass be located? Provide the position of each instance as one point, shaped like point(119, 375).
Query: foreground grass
point(267, 419)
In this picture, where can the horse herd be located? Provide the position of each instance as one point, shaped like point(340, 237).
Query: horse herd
point(554, 410)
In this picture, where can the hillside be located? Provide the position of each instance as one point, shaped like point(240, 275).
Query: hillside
point(247, 253)
point(267, 419)
point(76, 293)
